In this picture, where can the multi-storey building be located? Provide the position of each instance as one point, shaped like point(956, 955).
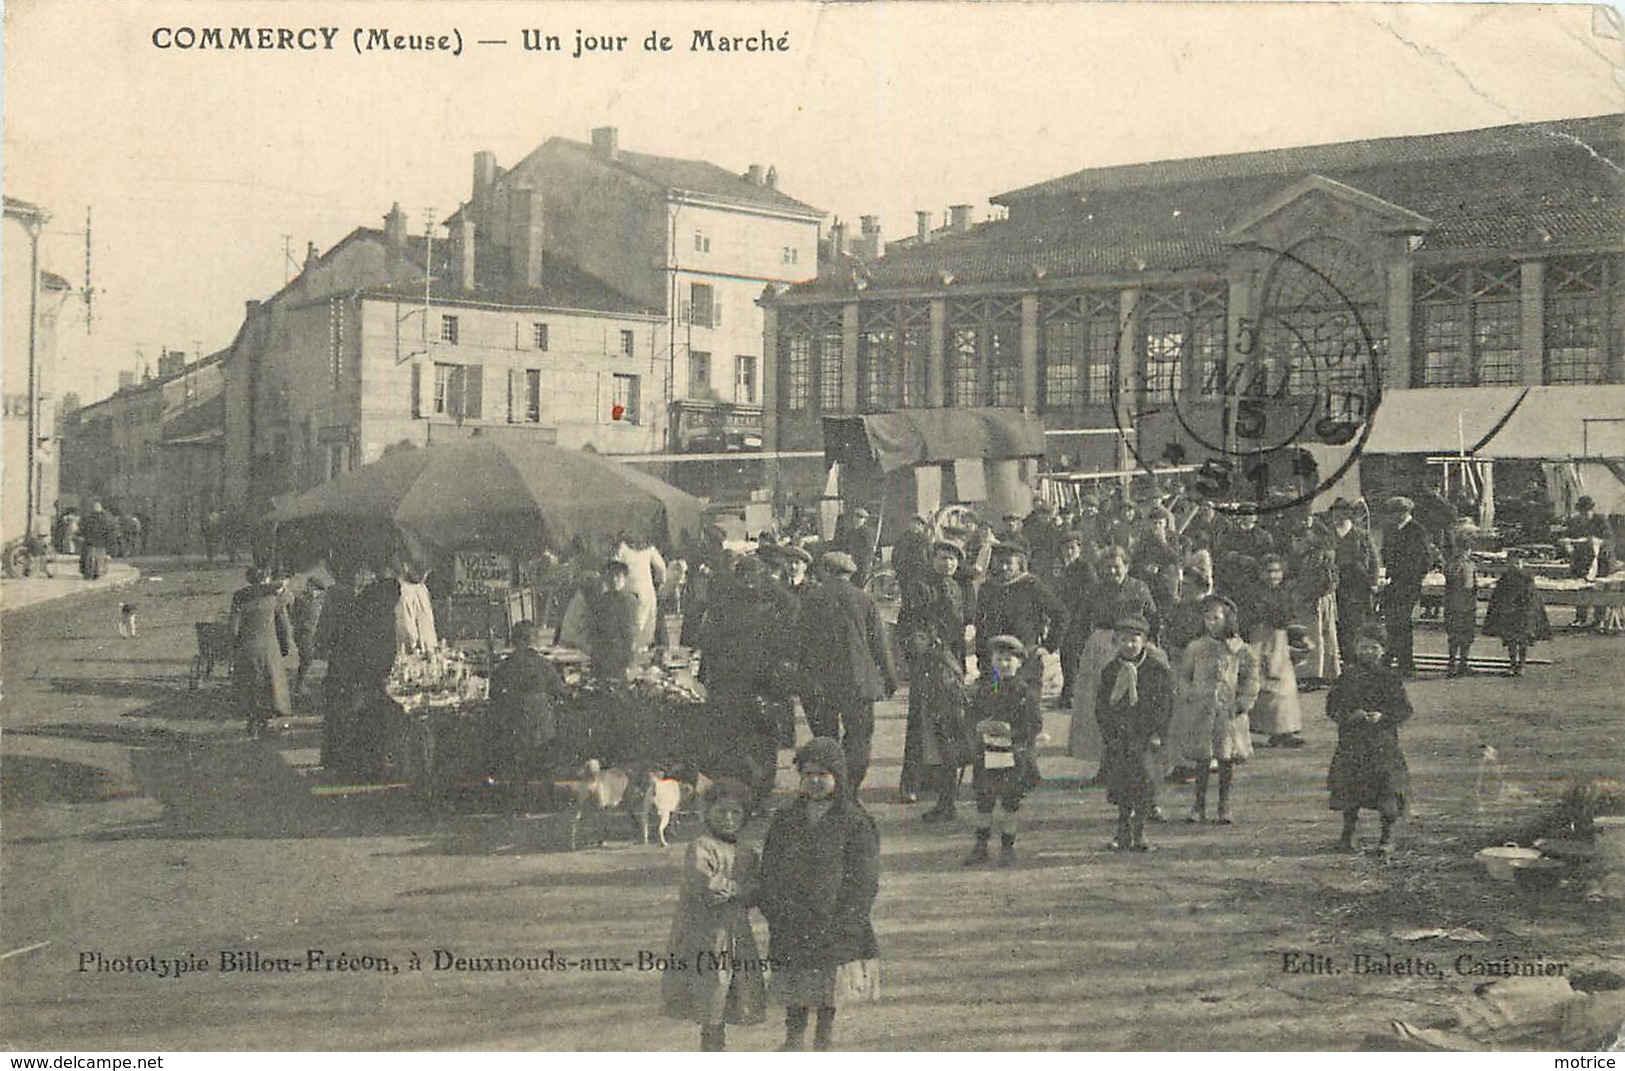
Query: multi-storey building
point(33, 299)
point(691, 240)
point(1110, 296)
point(154, 448)
point(390, 338)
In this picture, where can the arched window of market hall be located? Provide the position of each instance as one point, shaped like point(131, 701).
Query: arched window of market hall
point(1077, 343)
point(810, 358)
point(1181, 342)
point(1468, 326)
point(893, 339)
point(984, 351)
point(1319, 322)
point(1579, 292)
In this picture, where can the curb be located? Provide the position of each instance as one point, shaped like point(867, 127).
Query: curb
point(69, 589)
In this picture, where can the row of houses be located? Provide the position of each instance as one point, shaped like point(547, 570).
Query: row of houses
point(587, 296)
point(643, 305)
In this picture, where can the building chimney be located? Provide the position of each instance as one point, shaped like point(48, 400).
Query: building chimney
point(837, 240)
point(753, 174)
point(310, 256)
point(251, 307)
point(959, 218)
point(465, 248)
point(395, 227)
point(870, 246)
point(606, 142)
point(485, 173)
point(171, 362)
point(126, 379)
point(771, 179)
point(922, 226)
point(525, 236)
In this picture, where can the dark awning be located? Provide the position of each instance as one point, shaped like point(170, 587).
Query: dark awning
point(931, 436)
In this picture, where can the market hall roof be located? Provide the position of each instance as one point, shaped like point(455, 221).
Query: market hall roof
point(1541, 187)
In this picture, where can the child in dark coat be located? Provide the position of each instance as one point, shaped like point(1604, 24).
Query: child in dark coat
point(1006, 726)
point(820, 874)
point(1134, 704)
point(1368, 770)
point(1517, 613)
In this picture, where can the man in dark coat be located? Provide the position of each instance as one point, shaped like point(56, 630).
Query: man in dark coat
point(820, 874)
point(1408, 554)
point(933, 614)
point(911, 556)
point(1015, 603)
point(521, 725)
point(261, 638)
point(612, 625)
point(1357, 568)
point(859, 541)
point(1076, 588)
point(846, 663)
point(739, 643)
point(96, 537)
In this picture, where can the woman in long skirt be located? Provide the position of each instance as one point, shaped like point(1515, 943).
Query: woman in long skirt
point(1278, 711)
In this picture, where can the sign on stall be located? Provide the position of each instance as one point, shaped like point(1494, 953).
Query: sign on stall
point(484, 573)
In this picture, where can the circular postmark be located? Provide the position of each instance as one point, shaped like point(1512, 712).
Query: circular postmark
point(1242, 413)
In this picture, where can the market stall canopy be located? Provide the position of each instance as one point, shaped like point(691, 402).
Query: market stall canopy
point(518, 497)
point(894, 441)
point(1498, 423)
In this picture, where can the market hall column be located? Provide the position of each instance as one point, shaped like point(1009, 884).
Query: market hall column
point(1129, 380)
point(936, 384)
point(1029, 352)
point(1396, 363)
point(773, 391)
point(1532, 309)
point(1240, 348)
point(849, 357)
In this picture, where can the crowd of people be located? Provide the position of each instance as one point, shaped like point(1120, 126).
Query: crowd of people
point(1182, 637)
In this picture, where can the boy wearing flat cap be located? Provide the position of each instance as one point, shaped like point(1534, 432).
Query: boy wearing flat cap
point(1004, 712)
point(1134, 704)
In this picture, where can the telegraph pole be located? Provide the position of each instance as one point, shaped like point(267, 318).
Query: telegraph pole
point(36, 224)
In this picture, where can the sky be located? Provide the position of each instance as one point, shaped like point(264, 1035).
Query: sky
point(196, 163)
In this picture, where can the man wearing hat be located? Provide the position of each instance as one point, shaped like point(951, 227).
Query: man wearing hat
point(1357, 567)
point(911, 555)
point(932, 620)
point(1591, 547)
point(846, 662)
point(859, 541)
point(1075, 587)
point(1409, 554)
point(1015, 603)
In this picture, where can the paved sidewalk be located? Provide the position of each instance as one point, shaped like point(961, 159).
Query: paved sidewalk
point(27, 591)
